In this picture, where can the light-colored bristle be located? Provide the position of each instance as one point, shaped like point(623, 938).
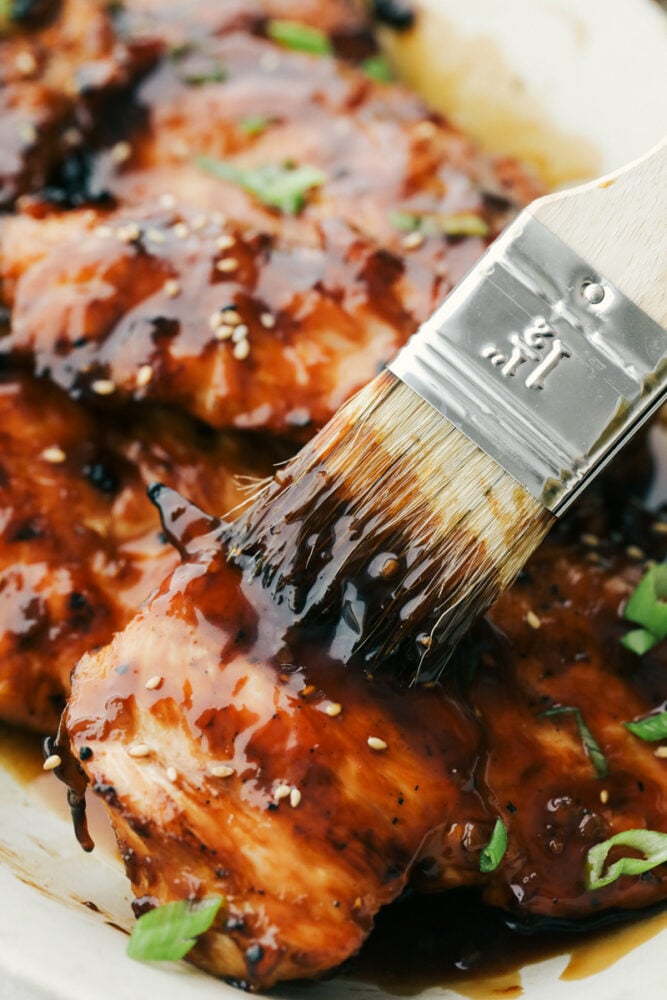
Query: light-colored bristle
point(390, 475)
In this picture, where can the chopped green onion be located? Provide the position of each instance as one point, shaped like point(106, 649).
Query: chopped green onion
point(282, 187)
point(255, 124)
point(651, 729)
point(591, 746)
point(299, 36)
point(647, 606)
point(494, 851)
point(432, 224)
point(378, 68)
point(215, 72)
point(168, 932)
point(651, 844)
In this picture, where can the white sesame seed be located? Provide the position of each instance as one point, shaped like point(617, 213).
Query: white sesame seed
point(281, 792)
point(660, 527)
point(425, 129)
point(167, 201)
point(231, 316)
point(104, 232)
point(54, 455)
point(413, 240)
point(181, 231)
point(25, 63)
point(28, 132)
point(223, 332)
point(156, 236)
point(294, 797)
point(222, 771)
point(241, 350)
point(103, 386)
point(121, 152)
point(661, 752)
point(375, 743)
point(604, 796)
point(533, 620)
point(333, 709)
point(154, 682)
point(139, 750)
point(218, 219)
point(240, 333)
point(172, 774)
point(199, 222)
point(144, 376)
point(52, 762)
point(588, 539)
point(172, 288)
point(72, 137)
point(215, 320)
point(129, 233)
point(634, 552)
point(225, 242)
point(227, 265)
point(268, 320)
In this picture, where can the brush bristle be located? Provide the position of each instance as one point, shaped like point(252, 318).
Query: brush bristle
point(389, 533)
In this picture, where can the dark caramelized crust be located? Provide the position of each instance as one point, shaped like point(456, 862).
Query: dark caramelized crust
point(55, 74)
point(80, 543)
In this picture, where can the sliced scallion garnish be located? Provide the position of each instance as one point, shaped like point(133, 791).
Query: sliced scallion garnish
point(168, 932)
point(299, 36)
point(494, 851)
point(591, 746)
point(651, 729)
point(647, 606)
point(650, 843)
point(278, 186)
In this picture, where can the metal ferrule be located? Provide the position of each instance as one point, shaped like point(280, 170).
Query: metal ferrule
point(540, 361)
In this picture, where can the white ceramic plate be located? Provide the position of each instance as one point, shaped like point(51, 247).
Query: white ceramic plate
point(576, 88)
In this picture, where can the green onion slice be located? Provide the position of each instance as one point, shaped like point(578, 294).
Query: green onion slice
point(378, 68)
point(651, 729)
point(591, 746)
point(168, 932)
point(283, 187)
point(433, 224)
point(494, 851)
point(651, 844)
point(647, 606)
point(299, 36)
point(255, 124)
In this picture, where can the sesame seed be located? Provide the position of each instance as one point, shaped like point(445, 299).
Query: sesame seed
point(199, 222)
point(218, 219)
point(144, 375)
point(241, 350)
point(227, 265)
point(129, 233)
point(375, 743)
point(269, 61)
point(72, 137)
point(25, 63)
point(121, 152)
point(333, 709)
point(357, 903)
point(307, 690)
point(172, 774)
point(240, 333)
point(634, 552)
point(223, 332)
point(268, 320)
point(104, 232)
point(425, 640)
point(154, 682)
point(54, 455)
point(604, 796)
point(225, 242)
point(533, 620)
point(661, 752)
point(181, 231)
point(103, 386)
point(231, 316)
point(413, 240)
point(589, 539)
point(281, 792)
point(294, 797)
point(222, 771)
point(425, 129)
point(172, 288)
point(28, 132)
point(167, 201)
point(52, 762)
point(660, 527)
point(156, 236)
point(216, 319)
point(139, 750)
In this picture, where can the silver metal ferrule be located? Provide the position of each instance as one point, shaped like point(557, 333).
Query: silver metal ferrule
point(540, 361)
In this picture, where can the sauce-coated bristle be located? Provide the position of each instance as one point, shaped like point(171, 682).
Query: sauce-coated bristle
point(389, 533)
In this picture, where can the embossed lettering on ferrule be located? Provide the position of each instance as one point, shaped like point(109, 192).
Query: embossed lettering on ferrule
point(528, 347)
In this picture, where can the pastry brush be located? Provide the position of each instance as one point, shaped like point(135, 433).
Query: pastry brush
point(419, 502)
